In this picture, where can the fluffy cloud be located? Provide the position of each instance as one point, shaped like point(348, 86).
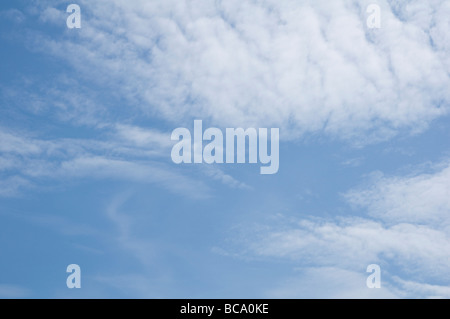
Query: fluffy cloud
point(408, 235)
point(303, 66)
point(423, 198)
point(355, 243)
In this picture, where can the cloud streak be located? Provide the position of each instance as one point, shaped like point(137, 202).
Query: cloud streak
point(26, 159)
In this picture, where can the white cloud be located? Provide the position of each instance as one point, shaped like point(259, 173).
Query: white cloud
point(421, 290)
point(353, 162)
point(11, 143)
point(418, 253)
point(305, 67)
point(62, 98)
point(26, 159)
point(142, 249)
point(408, 234)
point(12, 186)
point(140, 137)
point(355, 243)
point(127, 153)
point(147, 172)
point(308, 66)
point(329, 283)
point(54, 16)
point(217, 174)
point(421, 198)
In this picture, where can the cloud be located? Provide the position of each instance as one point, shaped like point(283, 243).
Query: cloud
point(403, 251)
point(12, 186)
point(148, 172)
point(217, 174)
point(62, 99)
point(11, 143)
point(329, 283)
point(420, 198)
point(131, 285)
point(306, 67)
point(353, 243)
point(353, 162)
point(55, 222)
point(13, 291)
point(142, 249)
point(141, 137)
point(26, 159)
point(407, 233)
point(153, 280)
point(424, 290)
point(53, 15)
point(337, 283)
point(13, 14)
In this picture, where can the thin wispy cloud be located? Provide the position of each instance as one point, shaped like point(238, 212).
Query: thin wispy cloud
point(26, 159)
point(13, 291)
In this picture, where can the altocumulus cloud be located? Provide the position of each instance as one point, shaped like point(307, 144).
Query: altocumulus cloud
point(305, 66)
point(407, 232)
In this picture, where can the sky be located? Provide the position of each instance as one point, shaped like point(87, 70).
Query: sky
point(87, 178)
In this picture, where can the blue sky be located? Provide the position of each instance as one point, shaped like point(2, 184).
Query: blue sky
point(86, 175)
